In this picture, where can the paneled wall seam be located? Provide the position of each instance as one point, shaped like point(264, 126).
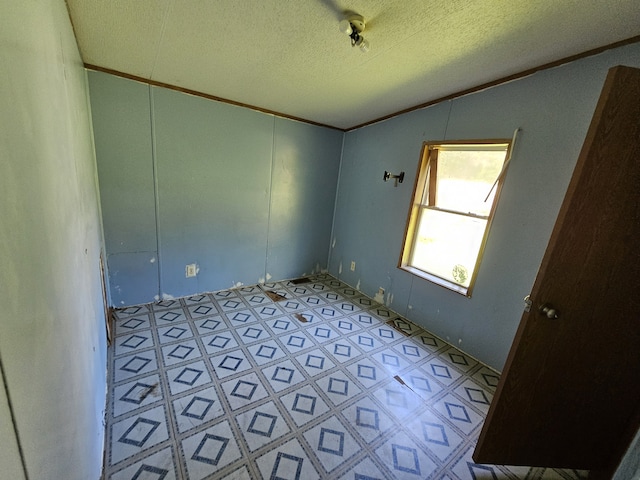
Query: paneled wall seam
point(272, 168)
point(407, 310)
point(13, 420)
point(156, 198)
point(446, 126)
point(335, 204)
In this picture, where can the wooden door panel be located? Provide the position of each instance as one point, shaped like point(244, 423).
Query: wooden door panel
point(570, 392)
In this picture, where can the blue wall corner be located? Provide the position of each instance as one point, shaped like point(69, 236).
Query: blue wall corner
point(244, 195)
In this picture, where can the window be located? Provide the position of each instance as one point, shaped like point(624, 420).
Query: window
point(455, 194)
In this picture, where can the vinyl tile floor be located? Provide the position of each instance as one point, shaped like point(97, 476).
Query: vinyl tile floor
point(292, 380)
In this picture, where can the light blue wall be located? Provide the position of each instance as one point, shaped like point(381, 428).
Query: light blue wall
point(553, 108)
point(213, 173)
point(122, 126)
point(304, 181)
point(52, 326)
point(248, 196)
point(244, 195)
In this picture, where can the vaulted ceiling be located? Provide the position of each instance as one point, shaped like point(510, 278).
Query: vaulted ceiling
point(289, 57)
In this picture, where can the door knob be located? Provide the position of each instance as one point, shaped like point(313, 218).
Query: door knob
point(527, 303)
point(548, 311)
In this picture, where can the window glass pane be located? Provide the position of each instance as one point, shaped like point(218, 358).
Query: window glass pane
point(465, 178)
point(449, 216)
point(447, 245)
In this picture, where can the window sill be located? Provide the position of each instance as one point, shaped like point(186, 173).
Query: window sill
point(462, 290)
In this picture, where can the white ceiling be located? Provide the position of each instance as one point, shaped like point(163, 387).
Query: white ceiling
point(288, 56)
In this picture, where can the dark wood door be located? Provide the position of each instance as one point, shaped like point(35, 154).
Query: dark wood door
point(569, 395)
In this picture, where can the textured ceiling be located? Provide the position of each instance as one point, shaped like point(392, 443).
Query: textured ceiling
point(288, 56)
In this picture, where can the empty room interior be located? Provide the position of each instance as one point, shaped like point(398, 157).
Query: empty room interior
point(296, 240)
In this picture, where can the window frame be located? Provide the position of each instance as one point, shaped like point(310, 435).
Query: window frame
point(423, 176)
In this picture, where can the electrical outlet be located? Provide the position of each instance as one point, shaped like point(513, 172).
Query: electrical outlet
point(353, 266)
point(190, 270)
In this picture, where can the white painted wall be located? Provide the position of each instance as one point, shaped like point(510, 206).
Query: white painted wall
point(52, 340)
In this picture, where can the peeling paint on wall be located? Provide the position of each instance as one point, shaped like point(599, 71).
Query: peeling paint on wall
point(358, 285)
point(389, 299)
point(340, 268)
point(153, 260)
point(269, 277)
point(168, 296)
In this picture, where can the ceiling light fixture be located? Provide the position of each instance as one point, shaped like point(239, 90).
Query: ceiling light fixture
point(353, 26)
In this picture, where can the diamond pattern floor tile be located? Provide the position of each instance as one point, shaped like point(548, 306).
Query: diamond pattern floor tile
point(287, 461)
point(332, 443)
point(319, 382)
point(243, 391)
point(175, 332)
point(138, 433)
point(338, 387)
point(405, 459)
point(187, 377)
point(180, 352)
point(368, 420)
point(169, 317)
point(437, 435)
point(230, 363)
point(196, 409)
point(136, 394)
point(202, 310)
point(133, 365)
point(209, 451)
point(304, 405)
point(158, 466)
point(365, 470)
point(129, 343)
point(283, 375)
point(262, 425)
point(458, 413)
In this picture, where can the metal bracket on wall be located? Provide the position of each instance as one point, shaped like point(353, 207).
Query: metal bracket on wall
point(398, 178)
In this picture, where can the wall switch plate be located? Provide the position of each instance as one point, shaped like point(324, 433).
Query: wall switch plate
point(353, 266)
point(190, 270)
